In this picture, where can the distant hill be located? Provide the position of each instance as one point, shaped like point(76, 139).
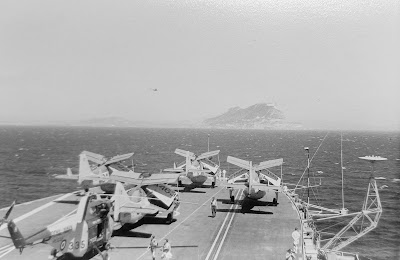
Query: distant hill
point(122, 122)
point(258, 116)
point(106, 121)
point(112, 121)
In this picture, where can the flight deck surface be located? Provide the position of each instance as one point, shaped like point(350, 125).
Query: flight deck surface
point(256, 231)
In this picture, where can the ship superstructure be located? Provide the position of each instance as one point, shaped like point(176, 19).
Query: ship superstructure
point(325, 232)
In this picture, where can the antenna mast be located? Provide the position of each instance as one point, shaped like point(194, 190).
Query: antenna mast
point(208, 143)
point(308, 174)
point(341, 165)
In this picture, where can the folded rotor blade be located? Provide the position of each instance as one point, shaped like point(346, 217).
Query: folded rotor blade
point(118, 158)
point(207, 154)
point(239, 162)
point(94, 157)
point(268, 164)
point(185, 153)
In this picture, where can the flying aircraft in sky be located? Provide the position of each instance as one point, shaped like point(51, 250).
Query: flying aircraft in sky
point(196, 170)
point(153, 89)
point(255, 180)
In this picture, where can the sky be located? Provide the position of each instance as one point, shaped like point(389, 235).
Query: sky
point(326, 64)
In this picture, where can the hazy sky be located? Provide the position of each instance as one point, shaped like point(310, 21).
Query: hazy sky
point(325, 63)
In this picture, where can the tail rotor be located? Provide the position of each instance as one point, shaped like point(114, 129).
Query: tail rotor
point(5, 218)
point(16, 236)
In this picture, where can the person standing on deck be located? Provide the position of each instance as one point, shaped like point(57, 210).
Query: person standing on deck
point(105, 255)
point(214, 181)
point(231, 195)
point(153, 246)
point(296, 238)
point(166, 250)
point(213, 206)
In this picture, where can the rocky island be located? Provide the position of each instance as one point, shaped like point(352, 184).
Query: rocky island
point(258, 116)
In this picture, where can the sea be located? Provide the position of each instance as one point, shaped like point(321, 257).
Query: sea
point(31, 156)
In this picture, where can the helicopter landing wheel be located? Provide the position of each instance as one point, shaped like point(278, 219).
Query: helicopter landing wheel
point(107, 246)
point(169, 218)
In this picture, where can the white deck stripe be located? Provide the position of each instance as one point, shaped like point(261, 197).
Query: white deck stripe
point(181, 222)
point(7, 251)
point(30, 213)
point(4, 247)
point(226, 231)
point(32, 201)
point(219, 232)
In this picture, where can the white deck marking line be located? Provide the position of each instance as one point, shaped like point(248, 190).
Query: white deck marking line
point(7, 251)
point(219, 232)
point(4, 247)
point(180, 223)
point(30, 213)
point(32, 201)
point(226, 231)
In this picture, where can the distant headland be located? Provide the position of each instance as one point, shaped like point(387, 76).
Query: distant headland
point(258, 116)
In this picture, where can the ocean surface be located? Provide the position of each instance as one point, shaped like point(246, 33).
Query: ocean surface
point(29, 156)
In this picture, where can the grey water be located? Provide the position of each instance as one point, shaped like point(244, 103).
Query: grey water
point(29, 156)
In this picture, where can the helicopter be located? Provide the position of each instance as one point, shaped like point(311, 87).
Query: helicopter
point(98, 215)
point(196, 170)
point(255, 180)
point(97, 173)
point(79, 235)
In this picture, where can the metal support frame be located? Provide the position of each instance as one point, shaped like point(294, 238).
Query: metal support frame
point(365, 221)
